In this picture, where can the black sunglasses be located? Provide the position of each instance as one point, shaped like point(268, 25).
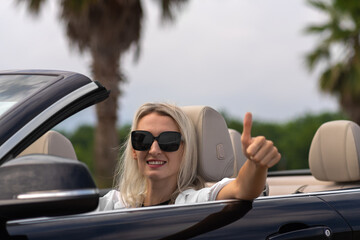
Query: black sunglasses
point(168, 141)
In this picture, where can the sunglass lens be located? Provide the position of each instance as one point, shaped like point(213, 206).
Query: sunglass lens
point(141, 140)
point(169, 141)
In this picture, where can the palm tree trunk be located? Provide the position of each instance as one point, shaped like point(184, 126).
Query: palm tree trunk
point(351, 107)
point(106, 70)
point(350, 101)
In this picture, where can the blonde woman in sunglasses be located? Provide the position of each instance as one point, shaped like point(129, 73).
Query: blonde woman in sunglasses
point(159, 163)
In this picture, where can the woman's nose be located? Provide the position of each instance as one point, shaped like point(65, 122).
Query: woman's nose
point(155, 148)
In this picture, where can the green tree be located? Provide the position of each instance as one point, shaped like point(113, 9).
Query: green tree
point(83, 141)
point(338, 52)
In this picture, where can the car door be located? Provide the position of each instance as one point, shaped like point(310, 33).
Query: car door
point(300, 216)
point(346, 203)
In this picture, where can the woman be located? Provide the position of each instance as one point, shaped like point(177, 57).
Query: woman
point(159, 163)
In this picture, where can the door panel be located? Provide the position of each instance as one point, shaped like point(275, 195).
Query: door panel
point(347, 204)
point(293, 217)
point(272, 218)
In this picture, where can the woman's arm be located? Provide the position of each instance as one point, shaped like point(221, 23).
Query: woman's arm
point(261, 154)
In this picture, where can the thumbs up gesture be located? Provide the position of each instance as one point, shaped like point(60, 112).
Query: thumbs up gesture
point(261, 154)
point(258, 150)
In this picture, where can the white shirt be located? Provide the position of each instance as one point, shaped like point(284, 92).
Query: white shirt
point(113, 200)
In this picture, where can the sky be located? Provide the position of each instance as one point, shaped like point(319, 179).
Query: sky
point(235, 56)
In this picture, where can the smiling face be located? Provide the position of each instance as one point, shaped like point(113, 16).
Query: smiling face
point(155, 164)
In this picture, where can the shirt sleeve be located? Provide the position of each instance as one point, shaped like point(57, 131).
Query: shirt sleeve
point(202, 195)
point(112, 200)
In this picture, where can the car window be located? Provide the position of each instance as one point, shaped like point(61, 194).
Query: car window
point(17, 87)
point(5, 106)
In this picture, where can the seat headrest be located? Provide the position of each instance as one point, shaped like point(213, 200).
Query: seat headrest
point(51, 143)
point(239, 157)
point(334, 152)
point(216, 157)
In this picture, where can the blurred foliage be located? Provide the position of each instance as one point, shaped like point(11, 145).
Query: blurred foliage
point(83, 141)
point(337, 52)
point(292, 138)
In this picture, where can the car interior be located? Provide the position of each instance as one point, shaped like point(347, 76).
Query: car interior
point(51, 143)
point(333, 156)
point(333, 160)
point(215, 151)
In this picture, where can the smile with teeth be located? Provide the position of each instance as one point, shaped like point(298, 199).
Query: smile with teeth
point(155, 162)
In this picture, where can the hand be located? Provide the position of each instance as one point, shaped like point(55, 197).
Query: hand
point(259, 150)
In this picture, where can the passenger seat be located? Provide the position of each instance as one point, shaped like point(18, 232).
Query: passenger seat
point(51, 143)
point(335, 154)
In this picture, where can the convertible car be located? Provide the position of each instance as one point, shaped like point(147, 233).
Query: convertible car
point(46, 193)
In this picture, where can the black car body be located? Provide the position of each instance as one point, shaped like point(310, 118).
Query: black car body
point(66, 210)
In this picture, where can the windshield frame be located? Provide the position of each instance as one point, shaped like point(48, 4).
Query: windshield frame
point(31, 117)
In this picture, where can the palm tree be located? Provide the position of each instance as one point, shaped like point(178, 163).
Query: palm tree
point(107, 29)
point(338, 52)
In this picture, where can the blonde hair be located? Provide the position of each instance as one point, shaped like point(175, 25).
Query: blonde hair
point(131, 183)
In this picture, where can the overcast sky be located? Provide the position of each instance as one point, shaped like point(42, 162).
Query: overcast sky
point(232, 55)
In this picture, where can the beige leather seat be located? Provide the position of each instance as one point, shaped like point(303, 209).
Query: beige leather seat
point(335, 152)
point(216, 156)
point(51, 143)
point(239, 157)
point(333, 159)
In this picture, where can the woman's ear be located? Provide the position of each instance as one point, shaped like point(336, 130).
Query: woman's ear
point(134, 154)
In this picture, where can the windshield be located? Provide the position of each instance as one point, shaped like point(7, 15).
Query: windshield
point(15, 88)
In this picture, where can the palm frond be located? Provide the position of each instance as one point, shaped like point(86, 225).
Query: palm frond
point(168, 8)
point(316, 29)
point(77, 6)
point(319, 54)
point(319, 5)
point(33, 6)
point(330, 80)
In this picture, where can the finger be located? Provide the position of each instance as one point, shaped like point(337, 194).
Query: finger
point(273, 160)
point(246, 134)
point(257, 149)
point(270, 159)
